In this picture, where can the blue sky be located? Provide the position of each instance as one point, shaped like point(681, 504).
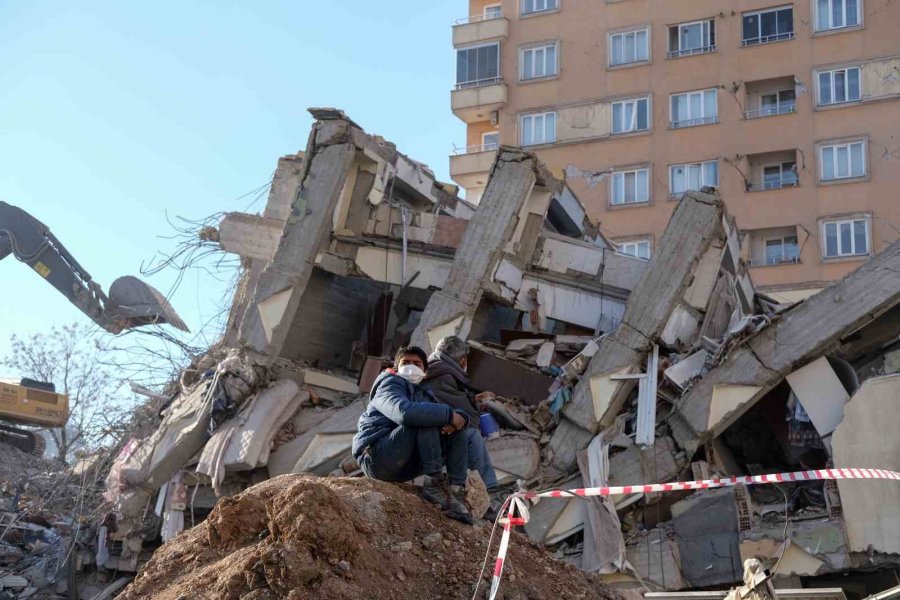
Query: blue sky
point(115, 114)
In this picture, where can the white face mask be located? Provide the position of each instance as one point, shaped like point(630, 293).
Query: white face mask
point(411, 373)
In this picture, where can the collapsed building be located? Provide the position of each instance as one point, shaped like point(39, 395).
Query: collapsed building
point(608, 370)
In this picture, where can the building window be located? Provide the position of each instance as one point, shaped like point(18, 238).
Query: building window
point(842, 161)
point(777, 103)
point(848, 237)
point(637, 248)
point(780, 175)
point(694, 108)
point(536, 6)
point(839, 85)
point(630, 115)
point(490, 141)
point(782, 250)
point(766, 26)
point(537, 62)
point(539, 129)
point(693, 177)
point(837, 14)
point(493, 11)
point(692, 38)
point(477, 65)
point(629, 47)
point(630, 187)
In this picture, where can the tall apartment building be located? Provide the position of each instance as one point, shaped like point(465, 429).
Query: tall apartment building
point(790, 109)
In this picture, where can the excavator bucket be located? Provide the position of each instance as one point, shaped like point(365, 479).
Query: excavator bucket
point(135, 303)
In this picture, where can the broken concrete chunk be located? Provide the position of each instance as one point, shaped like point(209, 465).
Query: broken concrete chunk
point(867, 438)
point(514, 457)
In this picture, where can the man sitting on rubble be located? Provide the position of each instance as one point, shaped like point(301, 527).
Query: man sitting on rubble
point(404, 433)
point(447, 379)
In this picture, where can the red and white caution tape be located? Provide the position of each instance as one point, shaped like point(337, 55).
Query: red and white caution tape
point(518, 509)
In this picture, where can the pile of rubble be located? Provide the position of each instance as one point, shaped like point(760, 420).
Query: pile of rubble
point(46, 511)
point(608, 370)
point(303, 537)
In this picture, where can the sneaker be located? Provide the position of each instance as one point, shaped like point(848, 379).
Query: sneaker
point(436, 490)
point(457, 509)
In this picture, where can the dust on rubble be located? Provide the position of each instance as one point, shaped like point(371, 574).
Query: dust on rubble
point(299, 536)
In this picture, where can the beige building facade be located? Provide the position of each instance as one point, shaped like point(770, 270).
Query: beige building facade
point(790, 109)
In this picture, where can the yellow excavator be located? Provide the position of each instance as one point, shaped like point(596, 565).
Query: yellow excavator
point(130, 303)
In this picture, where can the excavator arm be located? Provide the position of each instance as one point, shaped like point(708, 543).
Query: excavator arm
point(130, 303)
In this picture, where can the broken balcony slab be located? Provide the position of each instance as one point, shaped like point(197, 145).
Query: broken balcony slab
point(494, 226)
point(695, 223)
point(330, 159)
point(514, 457)
point(552, 522)
point(321, 449)
point(708, 540)
point(800, 335)
point(867, 438)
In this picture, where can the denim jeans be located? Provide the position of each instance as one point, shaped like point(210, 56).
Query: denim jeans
point(479, 459)
point(407, 452)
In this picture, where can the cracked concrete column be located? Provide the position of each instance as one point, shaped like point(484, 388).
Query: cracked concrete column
point(492, 239)
point(801, 334)
point(695, 225)
point(326, 168)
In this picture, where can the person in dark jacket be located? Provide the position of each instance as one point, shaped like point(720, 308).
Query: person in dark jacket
point(404, 433)
point(446, 378)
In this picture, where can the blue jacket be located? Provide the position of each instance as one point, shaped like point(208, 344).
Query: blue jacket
point(393, 402)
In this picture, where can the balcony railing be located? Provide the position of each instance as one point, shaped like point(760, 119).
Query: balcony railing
point(478, 83)
point(458, 150)
point(773, 185)
point(767, 39)
point(769, 261)
point(691, 51)
point(769, 111)
point(477, 19)
point(693, 122)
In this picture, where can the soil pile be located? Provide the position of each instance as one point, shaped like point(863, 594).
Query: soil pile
point(300, 536)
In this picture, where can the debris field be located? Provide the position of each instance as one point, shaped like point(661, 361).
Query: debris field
point(607, 369)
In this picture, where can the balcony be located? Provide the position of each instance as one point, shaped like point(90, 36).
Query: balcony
point(771, 111)
point(772, 171)
point(693, 122)
point(767, 39)
point(774, 246)
point(771, 261)
point(479, 28)
point(691, 51)
point(474, 101)
point(470, 166)
point(770, 97)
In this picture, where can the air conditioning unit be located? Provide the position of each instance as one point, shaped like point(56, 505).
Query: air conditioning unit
point(495, 117)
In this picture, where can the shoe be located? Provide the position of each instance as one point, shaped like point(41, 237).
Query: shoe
point(436, 490)
point(457, 509)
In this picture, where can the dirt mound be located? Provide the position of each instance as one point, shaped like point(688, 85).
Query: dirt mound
point(300, 536)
